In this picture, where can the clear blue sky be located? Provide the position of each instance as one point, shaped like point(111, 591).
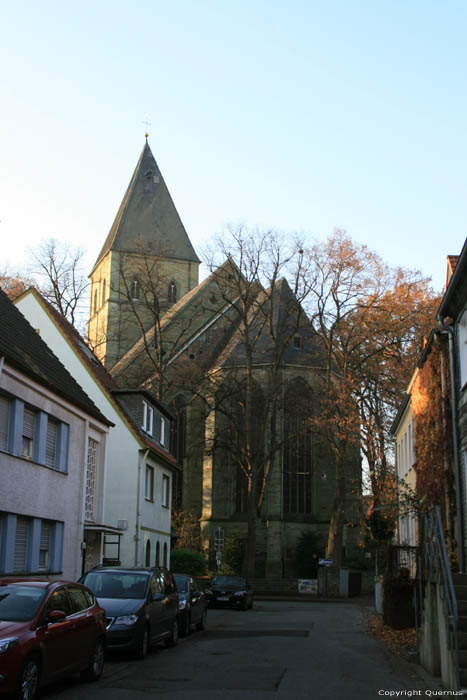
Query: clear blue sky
point(299, 115)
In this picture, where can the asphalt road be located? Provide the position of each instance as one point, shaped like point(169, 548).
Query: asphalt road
point(277, 651)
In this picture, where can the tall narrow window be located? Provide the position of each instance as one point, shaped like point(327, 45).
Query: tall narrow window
point(4, 422)
point(44, 545)
point(95, 299)
point(134, 290)
point(165, 554)
point(172, 293)
point(165, 490)
point(162, 431)
point(148, 417)
point(91, 480)
point(149, 484)
point(297, 455)
point(158, 553)
point(103, 291)
point(148, 553)
point(51, 443)
point(21, 544)
point(29, 425)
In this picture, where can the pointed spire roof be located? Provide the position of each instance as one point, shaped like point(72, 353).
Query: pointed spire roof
point(147, 220)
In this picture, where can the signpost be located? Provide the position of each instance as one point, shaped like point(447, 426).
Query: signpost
point(219, 546)
point(325, 562)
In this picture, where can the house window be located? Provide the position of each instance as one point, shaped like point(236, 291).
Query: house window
point(23, 526)
point(29, 425)
point(44, 546)
point(162, 431)
point(149, 484)
point(91, 480)
point(4, 422)
point(148, 418)
point(165, 490)
point(172, 293)
point(51, 443)
point(134, 290)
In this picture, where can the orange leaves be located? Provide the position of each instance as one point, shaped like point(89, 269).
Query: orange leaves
point(400, 642)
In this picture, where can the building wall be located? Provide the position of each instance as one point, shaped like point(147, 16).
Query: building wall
point(125, 457)
point(407, 528)
point(44, 493)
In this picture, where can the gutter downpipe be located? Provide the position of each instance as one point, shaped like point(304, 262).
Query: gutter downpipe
point(141, 461)
point(455, 440)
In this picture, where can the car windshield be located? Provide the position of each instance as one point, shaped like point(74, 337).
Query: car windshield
point(182, 583)
point(20, 603)
point(117, 584)
point(229, 581)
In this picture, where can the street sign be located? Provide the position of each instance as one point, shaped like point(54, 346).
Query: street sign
point(219, 540)
point(325, 562)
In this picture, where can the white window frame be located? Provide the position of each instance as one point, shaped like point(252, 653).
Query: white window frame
point(148, 418)
point(165, 490)
point(149, 483)
point(162, 441)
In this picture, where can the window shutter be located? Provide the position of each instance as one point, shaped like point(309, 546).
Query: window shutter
point(51, 443)
point(21, 544)
point(4, 422)
point(28, 424)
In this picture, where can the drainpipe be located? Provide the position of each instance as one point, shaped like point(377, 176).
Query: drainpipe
point(455, 443)
point(141, 461)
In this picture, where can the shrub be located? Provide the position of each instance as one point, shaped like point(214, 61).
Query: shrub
point(232, 556)
point(184, 561)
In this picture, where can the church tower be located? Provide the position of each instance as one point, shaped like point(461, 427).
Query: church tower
point(146, 264)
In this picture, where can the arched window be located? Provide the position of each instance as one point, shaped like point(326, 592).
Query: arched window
point(158, 553)
point(172, 292)
point(165, 554)
point(297, 450)
point(95, 299)
point(134, 290)
point(148, 553)
point(103, 292)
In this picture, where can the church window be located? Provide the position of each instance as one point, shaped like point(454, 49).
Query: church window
point(297, 450)
point(297, 341)
point(148, 417)
point(148, 553)
point(172, 292)
point(95, 299)
point(134, 290)
point(103, 292)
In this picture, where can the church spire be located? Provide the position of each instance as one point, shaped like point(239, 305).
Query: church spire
point(147, 221)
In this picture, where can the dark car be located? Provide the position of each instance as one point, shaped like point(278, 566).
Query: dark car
point(141, 606)
point(48, 629)
point(230, 591)
point(192, 604)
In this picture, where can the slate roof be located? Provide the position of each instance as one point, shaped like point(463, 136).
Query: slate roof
point(25, 350)
point(287, 318)
point(97, 370)
point(147, 220)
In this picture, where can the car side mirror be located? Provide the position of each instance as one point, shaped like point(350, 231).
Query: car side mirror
point(56, 616)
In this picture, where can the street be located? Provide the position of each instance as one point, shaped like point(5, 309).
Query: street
point(282, 650)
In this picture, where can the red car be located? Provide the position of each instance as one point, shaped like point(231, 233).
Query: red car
point(48, 629)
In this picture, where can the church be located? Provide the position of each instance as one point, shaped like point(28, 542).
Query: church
point(153, 324)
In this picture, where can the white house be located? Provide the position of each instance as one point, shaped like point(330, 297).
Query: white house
point(53, 442)
point(140, 466)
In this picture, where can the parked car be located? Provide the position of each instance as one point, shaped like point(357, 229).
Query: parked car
point(230, 591)
point(48, 629)
point(141, 606)
point(192, 604)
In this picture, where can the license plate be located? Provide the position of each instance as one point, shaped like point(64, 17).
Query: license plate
point(223, 597)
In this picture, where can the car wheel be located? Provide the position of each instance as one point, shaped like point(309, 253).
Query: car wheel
point(142, 646)
point(173, 639)
point(185, 625)
point(96, 663)
point(202, 623)
point(28, 680)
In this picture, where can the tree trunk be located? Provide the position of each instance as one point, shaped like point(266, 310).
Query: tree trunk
point(336, 527)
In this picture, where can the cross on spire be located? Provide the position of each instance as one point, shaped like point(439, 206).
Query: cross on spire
point(147, 123)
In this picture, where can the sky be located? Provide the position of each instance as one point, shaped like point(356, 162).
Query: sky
point(298, 115)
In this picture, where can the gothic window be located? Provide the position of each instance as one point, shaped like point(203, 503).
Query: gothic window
point(134, 290)
point(164, 563)
point(297, 450)
point(103, 291)
point(172, 292)
point(158, 553)
point(95, 299)
point(148, 553)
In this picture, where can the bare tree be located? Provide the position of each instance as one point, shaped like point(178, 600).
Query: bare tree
point(58, 269)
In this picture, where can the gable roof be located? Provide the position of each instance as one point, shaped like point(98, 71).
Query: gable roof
point(97, 370)
point(279, 310)
point(147, 221)
point(186, 301)
point(24, 349)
